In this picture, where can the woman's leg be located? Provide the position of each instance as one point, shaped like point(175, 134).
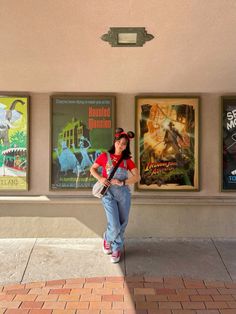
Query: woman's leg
point(113, 220)
point(117, 211)
point(124, 209)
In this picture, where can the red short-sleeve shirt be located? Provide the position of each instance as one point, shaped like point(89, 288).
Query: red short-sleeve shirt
point(102, 161)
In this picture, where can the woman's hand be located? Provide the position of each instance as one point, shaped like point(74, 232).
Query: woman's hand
point(105, 182)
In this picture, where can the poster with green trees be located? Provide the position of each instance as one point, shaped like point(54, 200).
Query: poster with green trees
point(167, 130)
point(81, 128)
point(14, 132)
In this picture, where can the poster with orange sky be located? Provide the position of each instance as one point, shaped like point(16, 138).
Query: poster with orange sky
point(167, 143)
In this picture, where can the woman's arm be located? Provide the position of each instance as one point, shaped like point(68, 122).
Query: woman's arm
point(131, 180)
point(135, 177)
point(96, 175)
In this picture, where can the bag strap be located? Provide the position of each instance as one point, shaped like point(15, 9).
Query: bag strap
point(115, 168)
point(112, 174)
point(109, 159)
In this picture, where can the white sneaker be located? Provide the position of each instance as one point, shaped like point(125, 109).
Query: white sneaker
point(106, 247)
point(115, 256)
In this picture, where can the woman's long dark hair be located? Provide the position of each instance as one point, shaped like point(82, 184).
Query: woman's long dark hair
point(119, 134)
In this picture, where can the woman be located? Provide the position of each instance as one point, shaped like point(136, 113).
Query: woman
point(117, 200)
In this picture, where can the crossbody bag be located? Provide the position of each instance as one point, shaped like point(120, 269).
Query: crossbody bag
point(99, 190)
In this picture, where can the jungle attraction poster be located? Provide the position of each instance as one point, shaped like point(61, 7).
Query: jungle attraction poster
point(228, 143)
point(167, 143)
point(14, 143)
point(82, 128)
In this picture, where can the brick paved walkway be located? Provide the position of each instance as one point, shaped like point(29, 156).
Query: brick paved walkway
point(120, 295)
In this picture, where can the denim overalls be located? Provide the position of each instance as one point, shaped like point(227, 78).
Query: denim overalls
point(117, 203)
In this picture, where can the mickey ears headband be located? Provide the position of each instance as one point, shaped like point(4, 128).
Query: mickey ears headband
point(120, 131)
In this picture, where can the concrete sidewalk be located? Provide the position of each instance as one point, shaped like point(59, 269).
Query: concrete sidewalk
point(155, 276)
point(31, 260)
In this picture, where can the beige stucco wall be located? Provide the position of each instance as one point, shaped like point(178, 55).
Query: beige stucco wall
point(54, 46)
point(44, 213)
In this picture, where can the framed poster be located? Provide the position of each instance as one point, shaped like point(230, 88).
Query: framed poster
point(81, 128)
point(167, 140)
point(14, 139)
point(228, 143)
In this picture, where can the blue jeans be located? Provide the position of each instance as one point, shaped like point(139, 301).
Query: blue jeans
point(116, 203)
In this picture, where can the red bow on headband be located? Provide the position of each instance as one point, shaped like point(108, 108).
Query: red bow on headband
point(118, 134)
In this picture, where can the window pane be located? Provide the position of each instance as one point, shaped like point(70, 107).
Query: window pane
point(127, 38)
